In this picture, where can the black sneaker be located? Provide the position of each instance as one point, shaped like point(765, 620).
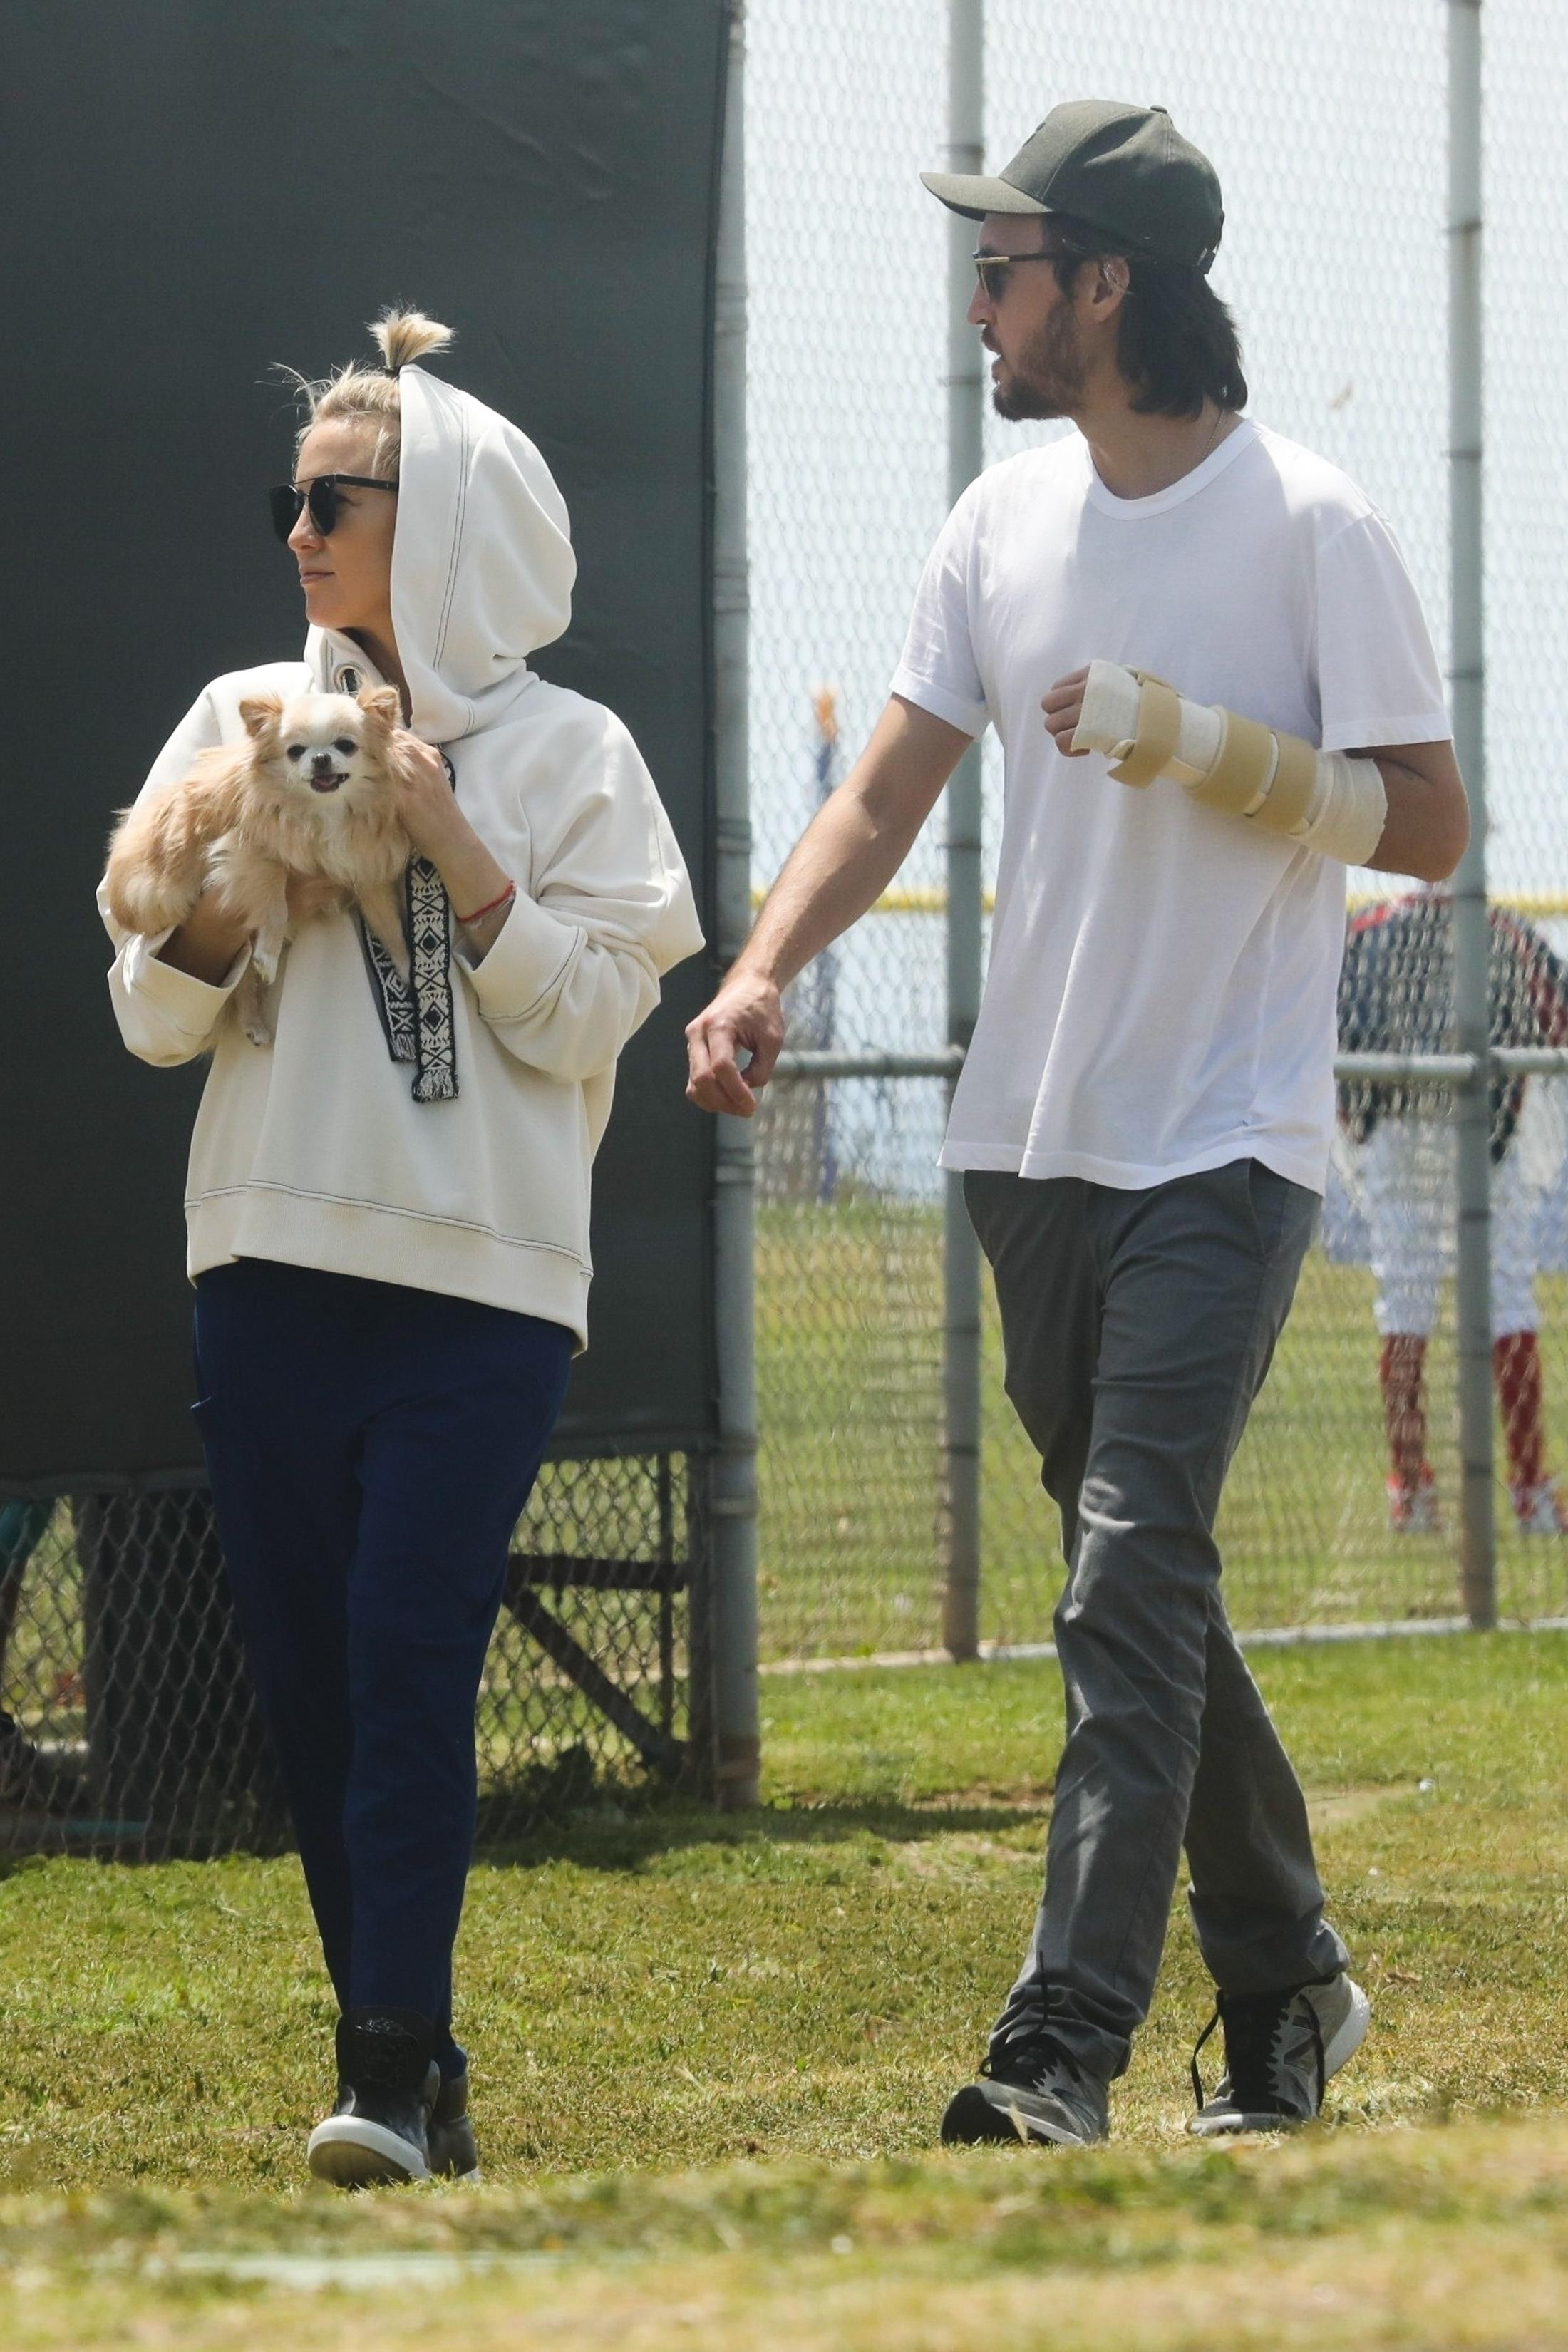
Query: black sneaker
point(1031, 2090)
point(388, 2085)
point(450, 2135)
point(1280, 2050)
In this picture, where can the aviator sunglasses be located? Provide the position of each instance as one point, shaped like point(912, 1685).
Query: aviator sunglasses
point(289, 500)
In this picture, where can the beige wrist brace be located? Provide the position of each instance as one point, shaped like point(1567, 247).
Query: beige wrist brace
point(1323, 799)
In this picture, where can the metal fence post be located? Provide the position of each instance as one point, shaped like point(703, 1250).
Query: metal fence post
point(1467, 676)
point(734, 1499)
point(960, 1252)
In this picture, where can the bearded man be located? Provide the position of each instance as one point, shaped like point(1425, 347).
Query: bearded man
point(1144, 1115)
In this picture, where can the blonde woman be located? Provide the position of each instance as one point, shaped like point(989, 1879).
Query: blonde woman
point(388, 1206)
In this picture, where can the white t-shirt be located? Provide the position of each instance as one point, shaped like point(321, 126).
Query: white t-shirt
point(1161, 991)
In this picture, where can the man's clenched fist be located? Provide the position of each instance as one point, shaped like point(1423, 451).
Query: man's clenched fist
point(1063, 708)
point(746, 1017)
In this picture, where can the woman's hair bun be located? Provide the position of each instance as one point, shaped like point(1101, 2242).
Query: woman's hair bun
point(404, 336)
point(371, 394)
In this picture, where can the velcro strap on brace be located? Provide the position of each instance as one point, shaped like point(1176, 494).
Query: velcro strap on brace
point(1159, 725)
point(1295, 785)
point(1242, 770)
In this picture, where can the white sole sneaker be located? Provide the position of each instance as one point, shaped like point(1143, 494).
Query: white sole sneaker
point(352, 2152)
point(1011, 2116)
point(1344, 2013)
point(1343, 2040)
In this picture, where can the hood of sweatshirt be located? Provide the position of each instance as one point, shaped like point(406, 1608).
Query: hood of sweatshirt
point(482, 567)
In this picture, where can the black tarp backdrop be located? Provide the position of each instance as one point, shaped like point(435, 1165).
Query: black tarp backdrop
point(191, 190)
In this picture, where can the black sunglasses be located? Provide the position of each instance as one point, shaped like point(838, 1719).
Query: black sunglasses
point(289, 500)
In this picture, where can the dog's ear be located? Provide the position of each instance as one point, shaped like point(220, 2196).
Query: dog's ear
point(261, 713)
point(382, 703)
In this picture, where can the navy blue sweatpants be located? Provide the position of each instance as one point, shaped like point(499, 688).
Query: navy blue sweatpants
point(370, 1448)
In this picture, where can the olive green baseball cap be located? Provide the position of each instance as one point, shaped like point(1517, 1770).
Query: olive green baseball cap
point(1125, 170)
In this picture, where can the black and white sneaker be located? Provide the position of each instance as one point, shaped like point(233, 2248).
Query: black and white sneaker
point(1030, 2093)
point(450, 2135)
point(388, 2086)
point(1280, 2050)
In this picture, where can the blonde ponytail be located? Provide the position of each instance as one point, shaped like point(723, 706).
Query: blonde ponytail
point(404, 336)
point(401, 336)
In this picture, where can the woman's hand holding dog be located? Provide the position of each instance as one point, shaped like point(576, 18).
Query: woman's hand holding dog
point(439, 831)
point(426, 801)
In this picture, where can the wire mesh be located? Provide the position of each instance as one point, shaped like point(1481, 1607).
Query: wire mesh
point(127, 1724)
point(1525, 200)
point(124, 1719)
point(846, 476)
point(849, 1370)
point(1327, 123)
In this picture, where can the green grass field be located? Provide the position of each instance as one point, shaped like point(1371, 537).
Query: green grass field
point(848, 1362)
point(711, 2056)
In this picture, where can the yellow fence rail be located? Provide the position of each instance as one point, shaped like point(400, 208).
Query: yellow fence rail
point(1535, 906)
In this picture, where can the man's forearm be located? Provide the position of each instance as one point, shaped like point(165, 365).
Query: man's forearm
point(1428, 825)
point(1396, 806)
point(854, 846)
point(840, 867)
point(843, 861)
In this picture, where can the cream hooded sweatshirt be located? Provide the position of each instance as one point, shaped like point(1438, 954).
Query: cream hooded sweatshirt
point(313, 1151)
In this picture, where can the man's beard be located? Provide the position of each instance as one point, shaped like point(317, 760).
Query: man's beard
point(1049, 378)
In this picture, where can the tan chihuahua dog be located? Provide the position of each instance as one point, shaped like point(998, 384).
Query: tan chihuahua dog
point(296, 820)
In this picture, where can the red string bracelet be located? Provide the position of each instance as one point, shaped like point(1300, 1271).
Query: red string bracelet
point(507, 896)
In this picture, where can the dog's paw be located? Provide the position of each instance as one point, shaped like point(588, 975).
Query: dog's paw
point(252, 1010)
point(264, 962)
point(147, 909)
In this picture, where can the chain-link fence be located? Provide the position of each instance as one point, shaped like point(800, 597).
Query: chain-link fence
point(848, 467)
point(124, 1719)
point(127, 1725)
point(1329, 123)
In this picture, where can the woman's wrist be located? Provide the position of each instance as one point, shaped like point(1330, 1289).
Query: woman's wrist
point(495, 906)
point(449, 839)
point(469, 875)
point(479, 888)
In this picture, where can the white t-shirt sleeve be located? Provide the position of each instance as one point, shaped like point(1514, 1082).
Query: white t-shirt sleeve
point(939, 670)
point(1378, 680)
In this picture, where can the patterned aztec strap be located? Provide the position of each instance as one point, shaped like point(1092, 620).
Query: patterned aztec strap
point(389, 992)
point(430, 956)
point(416, 1013)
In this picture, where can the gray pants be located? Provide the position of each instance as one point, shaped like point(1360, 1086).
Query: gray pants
point(1137, 1328)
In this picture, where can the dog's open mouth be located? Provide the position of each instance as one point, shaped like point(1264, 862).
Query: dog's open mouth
point(329, 784)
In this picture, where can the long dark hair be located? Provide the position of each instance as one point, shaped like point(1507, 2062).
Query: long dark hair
point(1176, 341)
